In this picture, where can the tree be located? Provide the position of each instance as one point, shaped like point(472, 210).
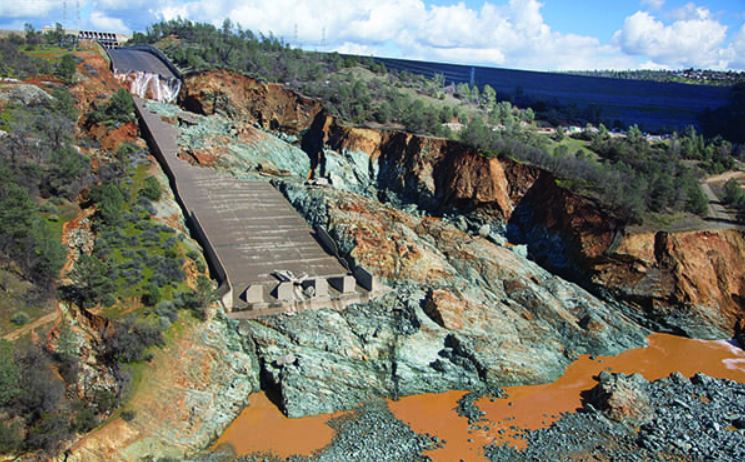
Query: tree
point(68, 173)
point(66, 68)
point(92, 282)
point(10, 374)
point(110, 202)
point(463, 91)
point(489, 98)
point(56, 36)
point(696, 199)
point(119, 109)
point(733, 193)
point(151, 189)
point(31, 34)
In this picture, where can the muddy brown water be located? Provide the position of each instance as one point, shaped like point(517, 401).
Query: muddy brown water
point(261, 427)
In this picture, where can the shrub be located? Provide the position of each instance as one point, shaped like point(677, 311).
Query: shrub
point(11, 439)
point(152, 295)
point(92, 282)
point(130, 339)
point(10, 374)
point(20, 318)
point(119, 109)
point(151, 189)
point(49, 431)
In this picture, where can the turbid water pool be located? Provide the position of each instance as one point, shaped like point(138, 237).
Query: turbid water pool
point(261, 427)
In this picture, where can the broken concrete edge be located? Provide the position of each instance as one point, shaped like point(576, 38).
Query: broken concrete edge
point(320, 286)
point(340, 303)
point(254, 293)
point(284, 291)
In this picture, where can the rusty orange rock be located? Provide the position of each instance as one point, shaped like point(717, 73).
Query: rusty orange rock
point(269, 105)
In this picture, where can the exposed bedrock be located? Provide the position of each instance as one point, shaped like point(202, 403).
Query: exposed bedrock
point(267, 104)
point(687, 282)
point(465, 313)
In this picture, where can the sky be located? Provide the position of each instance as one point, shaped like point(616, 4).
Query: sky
point(522, 34)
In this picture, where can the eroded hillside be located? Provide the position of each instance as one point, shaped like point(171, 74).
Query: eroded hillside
point(500, 275)
point(685, 281)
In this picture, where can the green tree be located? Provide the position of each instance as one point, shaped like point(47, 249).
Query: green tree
point(66, 68)
point(68, 172)
point(92, 282)
point(56, 36)
point(151, 189)
point(733, 193)
point(696, 201)
point(11, 438)
point(489, 98)
point(110, 202)
point(10, 374)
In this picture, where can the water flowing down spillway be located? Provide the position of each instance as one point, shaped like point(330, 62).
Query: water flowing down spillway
point(151, 86)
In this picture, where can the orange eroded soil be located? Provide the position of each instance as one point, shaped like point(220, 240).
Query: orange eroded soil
point(537, 406)
point(262, 428)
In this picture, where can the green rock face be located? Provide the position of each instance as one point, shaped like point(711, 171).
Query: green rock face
point(465, 312)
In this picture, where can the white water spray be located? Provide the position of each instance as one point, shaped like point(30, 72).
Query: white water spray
point(151, 86)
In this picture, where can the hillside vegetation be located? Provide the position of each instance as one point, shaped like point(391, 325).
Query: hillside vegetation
point(66, 163)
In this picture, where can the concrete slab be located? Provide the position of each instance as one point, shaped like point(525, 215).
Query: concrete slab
point(251, 228)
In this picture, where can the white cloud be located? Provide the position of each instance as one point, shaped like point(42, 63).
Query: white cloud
point(654, 4)
point(736, 50)
point(509, 33)
point(513, 34)
point(695, 40)
point(27, 8)
point(101, 21)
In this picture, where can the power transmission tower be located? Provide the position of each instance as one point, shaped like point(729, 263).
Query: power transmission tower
point(77, 14)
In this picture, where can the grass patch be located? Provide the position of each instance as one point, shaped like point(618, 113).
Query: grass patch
point(49, 53)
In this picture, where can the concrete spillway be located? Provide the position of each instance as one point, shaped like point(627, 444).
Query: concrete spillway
point(249, 231)
point(135, 59)
point(146, 72)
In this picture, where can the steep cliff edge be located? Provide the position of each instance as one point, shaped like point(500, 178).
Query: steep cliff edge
point(691, 280)
point(691, 283)
point(266, 104)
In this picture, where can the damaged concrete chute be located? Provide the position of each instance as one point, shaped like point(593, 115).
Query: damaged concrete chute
point(146, 72)
point(151, 86)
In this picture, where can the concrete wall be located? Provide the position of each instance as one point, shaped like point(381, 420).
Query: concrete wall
point(213, 260)
point(216, 264)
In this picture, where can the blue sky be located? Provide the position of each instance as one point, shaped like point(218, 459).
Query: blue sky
point(528, 34)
